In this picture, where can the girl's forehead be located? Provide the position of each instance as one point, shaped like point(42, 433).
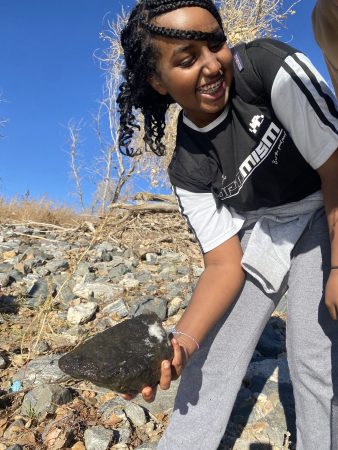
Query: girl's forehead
point(188, 18)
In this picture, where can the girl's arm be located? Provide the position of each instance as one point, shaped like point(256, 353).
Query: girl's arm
point(328, 173)
point(216, 290)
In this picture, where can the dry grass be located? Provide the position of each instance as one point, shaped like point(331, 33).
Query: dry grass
point(43, 211)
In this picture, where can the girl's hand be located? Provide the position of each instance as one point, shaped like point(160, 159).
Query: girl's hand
point(169, 372)
point(331, 294)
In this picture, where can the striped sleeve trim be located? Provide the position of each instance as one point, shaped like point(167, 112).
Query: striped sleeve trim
point(295, 66)
point(308, 110)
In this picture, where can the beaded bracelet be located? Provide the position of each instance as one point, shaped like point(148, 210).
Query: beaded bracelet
point(334, 267)
point(180, 333)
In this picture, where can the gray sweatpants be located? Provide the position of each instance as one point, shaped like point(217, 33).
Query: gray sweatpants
point(213, 376)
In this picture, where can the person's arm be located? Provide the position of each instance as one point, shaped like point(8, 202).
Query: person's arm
point(215, 292)
point(328, 173)
point(216, 232)
point(325, 30)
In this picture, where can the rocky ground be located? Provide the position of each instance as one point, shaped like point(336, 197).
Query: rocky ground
point(59, 286)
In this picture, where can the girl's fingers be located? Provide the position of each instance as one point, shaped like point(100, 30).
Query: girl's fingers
point(128, 396)
point(165, 375)
point(177, 361)
point(148, 393)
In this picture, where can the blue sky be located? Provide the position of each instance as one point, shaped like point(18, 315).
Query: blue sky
point(49, 75)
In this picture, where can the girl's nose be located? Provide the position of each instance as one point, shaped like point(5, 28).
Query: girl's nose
point(211, 64)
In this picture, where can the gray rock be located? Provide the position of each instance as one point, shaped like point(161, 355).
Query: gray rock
point(148, 446)
point(135, 414)
point(57, 265)
point(118, 308)
point(40, 290)
point(197, 271)
point(5, 279)
point(154, 304)
point(17, 426)
point(143, 276)
point(100, 291)
point(5, 267)
point(174, 306)
point(151, 258)
point(41, 371)
point(3, 362)
point(115, 406)
point(99, 438)
point(118, 271)
point(15, 447)
point(44, 399)
point(124, 433)
point(168, 273)
point(81, 313)
point(129, 281)
point(164, 400)
point(122, 358)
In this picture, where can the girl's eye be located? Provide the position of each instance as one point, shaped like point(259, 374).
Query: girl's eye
point(187, 62)
point(216, 46)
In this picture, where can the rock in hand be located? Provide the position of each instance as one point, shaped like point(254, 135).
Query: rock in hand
point(123, 358)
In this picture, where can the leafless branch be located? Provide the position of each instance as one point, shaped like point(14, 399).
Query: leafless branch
point(74, 135)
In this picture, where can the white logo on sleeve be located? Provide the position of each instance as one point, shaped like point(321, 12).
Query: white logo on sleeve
point(255, 123)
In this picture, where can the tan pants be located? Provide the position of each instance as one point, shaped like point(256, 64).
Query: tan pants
point(325, 28)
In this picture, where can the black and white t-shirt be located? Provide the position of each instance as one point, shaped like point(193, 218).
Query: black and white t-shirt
point(263, 150)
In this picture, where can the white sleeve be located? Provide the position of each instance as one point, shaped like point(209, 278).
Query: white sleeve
point(211, 225)
point(307, 108)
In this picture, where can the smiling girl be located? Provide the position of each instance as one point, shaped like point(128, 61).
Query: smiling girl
point(255, 164)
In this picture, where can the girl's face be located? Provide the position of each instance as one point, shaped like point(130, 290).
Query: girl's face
point(196, 74)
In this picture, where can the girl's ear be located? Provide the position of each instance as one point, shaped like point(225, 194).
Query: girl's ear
point(156, 84)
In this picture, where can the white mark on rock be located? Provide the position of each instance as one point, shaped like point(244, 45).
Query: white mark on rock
point(155, 330)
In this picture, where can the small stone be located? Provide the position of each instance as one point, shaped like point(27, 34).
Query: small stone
point(4, 279)
point(57, 265)
point(118, 308)
point(151, 258)
point(82, 313)
point(100, 291)
point(197, 271)
point(9, 254)
point(135, 414)
point(148, 446)
point(78, 446)
point(3, 362)
point(45, 399)
point(122, 358)
point(99, 438)
point(129, 283)
point(174, 306)
point(40, 371)
point(156, 305)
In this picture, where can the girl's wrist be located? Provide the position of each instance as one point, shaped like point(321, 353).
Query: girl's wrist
point(333, 267)
point(188, 343)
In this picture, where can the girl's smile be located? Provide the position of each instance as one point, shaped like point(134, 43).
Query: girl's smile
point(196, 74)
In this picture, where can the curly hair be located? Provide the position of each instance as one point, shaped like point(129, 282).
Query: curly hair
point(140, 62)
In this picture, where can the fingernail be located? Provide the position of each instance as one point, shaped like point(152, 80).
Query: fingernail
point(166, 364)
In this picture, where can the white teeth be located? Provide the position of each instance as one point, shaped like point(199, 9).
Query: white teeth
point(211, 88)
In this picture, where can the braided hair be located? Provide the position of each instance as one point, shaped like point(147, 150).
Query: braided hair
point(140, 62)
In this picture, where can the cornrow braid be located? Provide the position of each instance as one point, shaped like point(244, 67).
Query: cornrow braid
point(180, 34)
point(140, 63)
